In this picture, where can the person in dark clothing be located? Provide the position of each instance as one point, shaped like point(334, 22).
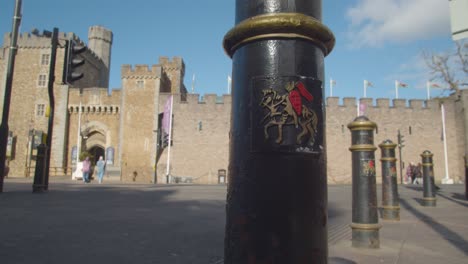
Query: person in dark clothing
point(417, 174)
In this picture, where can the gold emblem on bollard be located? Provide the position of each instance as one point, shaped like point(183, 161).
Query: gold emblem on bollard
point(288, 110)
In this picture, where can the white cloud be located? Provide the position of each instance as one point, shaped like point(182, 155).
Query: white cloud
point(413, 71)
point(374, 22)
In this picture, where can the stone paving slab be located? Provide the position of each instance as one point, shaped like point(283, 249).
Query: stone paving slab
point(137, 223)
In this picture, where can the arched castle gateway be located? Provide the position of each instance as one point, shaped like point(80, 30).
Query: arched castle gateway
point(123, 124)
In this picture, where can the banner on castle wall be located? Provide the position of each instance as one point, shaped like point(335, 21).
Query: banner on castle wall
point(110, 155)
point(74, 153)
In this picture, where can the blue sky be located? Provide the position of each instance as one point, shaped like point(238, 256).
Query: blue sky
point(377, 40)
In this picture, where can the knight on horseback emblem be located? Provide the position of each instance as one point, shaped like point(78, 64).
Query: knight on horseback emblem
point(289, 109)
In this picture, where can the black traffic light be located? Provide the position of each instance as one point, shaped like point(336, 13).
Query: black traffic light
point(72, 62)
point(400, 140)
point(165, 140)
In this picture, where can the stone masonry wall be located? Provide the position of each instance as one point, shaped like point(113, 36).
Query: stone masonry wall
point(201, 135)
point(200, 138)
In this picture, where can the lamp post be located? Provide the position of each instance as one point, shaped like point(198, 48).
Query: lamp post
point(77, 172)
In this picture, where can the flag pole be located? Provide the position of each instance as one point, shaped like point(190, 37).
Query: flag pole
point(331, 87)
point(365, 88)
point(428, 88)
point(396, 89)
point(357, 106)
point(229, 80)
point(168, 177)
point(193, 83)
point(76, 173)
point(446, 179)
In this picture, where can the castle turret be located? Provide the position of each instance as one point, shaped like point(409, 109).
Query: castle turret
point(100, 42)
point(175, 70)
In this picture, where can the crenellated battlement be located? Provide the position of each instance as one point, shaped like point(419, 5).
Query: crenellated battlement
point(141, 71)
point(37, 40)
point(101, 33)
point(331, 102)
point(415, 104)
point(197, 99)
point(172, 65)
point(94, 96)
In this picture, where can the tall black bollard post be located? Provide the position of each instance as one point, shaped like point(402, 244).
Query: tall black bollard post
point(390, 199)
point(466, 178)
point(429, 198)
point(39, 184)
point(365, 223)
point(276, 208)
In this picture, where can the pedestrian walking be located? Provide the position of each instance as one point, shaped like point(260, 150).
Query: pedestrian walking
point(417, 171)
point(409, 173)
point(86, 169)
point(101, 166)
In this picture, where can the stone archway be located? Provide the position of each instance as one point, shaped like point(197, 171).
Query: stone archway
point(95, 139)
point(96, 151)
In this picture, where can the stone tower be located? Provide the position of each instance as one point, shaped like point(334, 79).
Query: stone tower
point(175, 70)
point(100, 42)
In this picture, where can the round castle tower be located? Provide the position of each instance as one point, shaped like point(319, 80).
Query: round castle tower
point(100, 42)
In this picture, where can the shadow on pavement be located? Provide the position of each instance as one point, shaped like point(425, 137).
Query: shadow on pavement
point(459, 196)
point(78, 223)
point(338, 260)
point(453, 238)
point(462, 203)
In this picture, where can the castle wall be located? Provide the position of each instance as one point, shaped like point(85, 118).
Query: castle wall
point(100, 113)
point(175, 70)
point(139, 121)
point(420, 125)
point(29, 91)
point(200, 138)
point(128, 120)
point(100, 42)
point(200, 151)
point(26, 95)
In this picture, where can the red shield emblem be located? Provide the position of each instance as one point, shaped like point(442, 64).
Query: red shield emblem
point(296, 102)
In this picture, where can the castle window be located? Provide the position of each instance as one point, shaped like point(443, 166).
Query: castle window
point(140, 84)
point(42, 81)
point(40, 110)
point(409, 130)
point(45, 59)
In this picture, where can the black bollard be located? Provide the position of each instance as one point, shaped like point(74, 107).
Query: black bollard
point(365, 223)
point(390, 199)
point(429, 198)
point(276, 209)
point(466, 178)
point(39, 184)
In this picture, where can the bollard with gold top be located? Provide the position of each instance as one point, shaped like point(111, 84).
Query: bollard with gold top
point(39, 184)
point(429, 198)
point(365, 221)
point(390, 199)
point(276, 207)
point(466, 178)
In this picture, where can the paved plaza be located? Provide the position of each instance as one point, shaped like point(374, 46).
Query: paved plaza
point(171, 224)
